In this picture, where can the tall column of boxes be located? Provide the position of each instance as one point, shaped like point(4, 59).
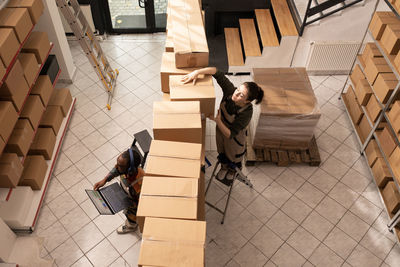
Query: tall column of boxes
point(31, 110)
point(172, 195)
point(371, 100)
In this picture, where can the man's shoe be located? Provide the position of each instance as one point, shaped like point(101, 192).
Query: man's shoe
point(124, 229)
point(222, 173)
point(230, 175)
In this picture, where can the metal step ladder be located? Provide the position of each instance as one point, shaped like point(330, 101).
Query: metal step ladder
point(83, 32)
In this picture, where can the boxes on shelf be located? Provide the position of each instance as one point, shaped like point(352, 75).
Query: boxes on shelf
point(353, 107)
point(182, 195)
point(10, 170)
point(374, 66)
point(52, 118)
point(356, 75)
point(370, 50)
point(18, 19)
point(8, 46)
point(394, 116)
point(363, 92)
point(21, 138)
point(392, 197)
point(15, 87)
point(165, 242)
point(391, 38)
point(168, 68)
point(373, 152)
point(61, 97)
point(386, 140)
point(43, 88)
point(177, 127)
point(202, 91)
point(381, 173)
point(188, 34)
point(2, 144)
point(184, 107)
point(394, 161)
point(35, 7)
point(379, 21)
point(363, 129)
point(174, 167)
point(2, 70)
point(43, 143)
point(384, 86)
point(289, 112)
point(30, 66)
point(35, 168)
point(15, 210)
point(175, 149)
point(33, 110)
point(373, 108)
point(39, 44)
point(8, 119)
point(51, 68)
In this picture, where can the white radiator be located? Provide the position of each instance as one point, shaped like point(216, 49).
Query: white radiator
point(334, 58)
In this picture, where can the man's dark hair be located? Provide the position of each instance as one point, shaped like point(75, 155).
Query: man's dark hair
point(136, 157)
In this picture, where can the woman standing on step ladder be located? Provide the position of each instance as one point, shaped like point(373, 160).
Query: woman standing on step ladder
point(234, 115)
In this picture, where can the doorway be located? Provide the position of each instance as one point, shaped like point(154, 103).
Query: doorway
point(135, 16)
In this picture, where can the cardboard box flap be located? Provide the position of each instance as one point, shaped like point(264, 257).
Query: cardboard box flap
point(167, 207)
point(179, 121)
point(184, 107)
point(202, 80)
point(171, 149)
point(162, 166)
point(192, 92)
point(169, 186)
point(178, 230)
point(155, 253)
point(168, 65)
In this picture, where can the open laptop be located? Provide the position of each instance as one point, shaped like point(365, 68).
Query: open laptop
point(110, 199)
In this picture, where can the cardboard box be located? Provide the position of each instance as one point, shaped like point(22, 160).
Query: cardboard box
point(370, 50)
point(353, 107)
point(392, 197)
point(175, 149)
point(381, 173)
point(8, 119)
point(52, 118)
point(10, 170)
point(391, 39)
point(61, 97)
point(21, 138)
point(202, 91)
point(168, 68)
point(43, 88)
point(363, 92)
point(394, 161)
point(177, 127)
point(394, 116)
point(18, 19)
point(379, 22)
point(30, 67)
point(182, 245)
point(373, 108)
point(386, 141)
point(35, 7)
point(364, 129)
point(172, 167)
point(35, 168)
point(2, 70)
point(33, 110)
point(374, 66)
point(51, 68)
point(2, 144)
point(384, 86)
point(168, 107)
point(8, 46)
point(43, 143)
point(15, 88)
point(356, 75)
point(166, 97)
point(169, 186)
point(373, 152)
point(190, 42)
point(39, 44)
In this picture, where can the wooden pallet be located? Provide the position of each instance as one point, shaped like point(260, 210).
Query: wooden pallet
point(284, 157)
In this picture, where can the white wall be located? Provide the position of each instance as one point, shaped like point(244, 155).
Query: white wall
point(349, 26)
point(50, 22)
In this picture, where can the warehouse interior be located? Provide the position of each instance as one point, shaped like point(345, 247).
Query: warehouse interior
point(84, 81)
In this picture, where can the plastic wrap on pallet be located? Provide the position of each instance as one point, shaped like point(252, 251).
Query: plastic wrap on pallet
point(289, 112)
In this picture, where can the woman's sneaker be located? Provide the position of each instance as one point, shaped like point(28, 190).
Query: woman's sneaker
point(230, 175)
point(222, 173)
point(128, 227)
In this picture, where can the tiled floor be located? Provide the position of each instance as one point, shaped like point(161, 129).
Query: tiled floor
point(298, 215)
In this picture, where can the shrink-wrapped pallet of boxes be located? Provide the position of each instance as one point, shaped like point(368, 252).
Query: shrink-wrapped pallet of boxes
point(289, 111)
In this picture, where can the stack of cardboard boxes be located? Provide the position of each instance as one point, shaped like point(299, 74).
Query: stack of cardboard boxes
point(172, 200)
point(289, 112)
point(31, 111)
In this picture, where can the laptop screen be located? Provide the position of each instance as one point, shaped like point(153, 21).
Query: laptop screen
point(99, 202)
